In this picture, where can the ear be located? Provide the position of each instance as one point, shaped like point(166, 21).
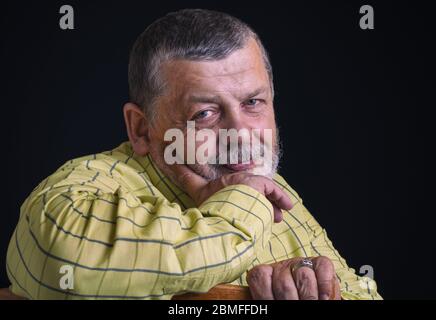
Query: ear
point(137, 128)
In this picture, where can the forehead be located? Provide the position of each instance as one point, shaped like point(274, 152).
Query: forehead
point(242, 71)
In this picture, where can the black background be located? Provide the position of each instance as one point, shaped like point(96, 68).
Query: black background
point(347, 104)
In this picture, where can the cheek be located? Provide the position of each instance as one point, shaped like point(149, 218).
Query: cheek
point(158, 144)
point(157, 152)
point(266, 128)
point(206, 147)
point(264, 119)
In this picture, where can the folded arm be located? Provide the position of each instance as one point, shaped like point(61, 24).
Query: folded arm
point(120, 245)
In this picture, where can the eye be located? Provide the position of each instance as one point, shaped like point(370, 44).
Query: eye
point(202, 114)
point(251, 102)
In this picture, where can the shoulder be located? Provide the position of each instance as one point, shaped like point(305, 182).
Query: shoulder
point(106, 171)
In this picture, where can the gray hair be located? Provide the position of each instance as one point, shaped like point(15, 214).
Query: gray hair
point(191, 34)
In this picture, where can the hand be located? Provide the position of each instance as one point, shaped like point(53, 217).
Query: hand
point(276, 281)
point(200, 189)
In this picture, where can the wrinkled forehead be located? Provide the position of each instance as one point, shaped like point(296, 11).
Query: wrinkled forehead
point(239, 74)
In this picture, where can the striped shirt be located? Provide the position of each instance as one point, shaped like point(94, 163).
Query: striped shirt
point(127, 232)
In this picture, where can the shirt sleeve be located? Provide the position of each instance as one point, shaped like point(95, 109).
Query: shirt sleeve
point(119, 245)
point(353, 286)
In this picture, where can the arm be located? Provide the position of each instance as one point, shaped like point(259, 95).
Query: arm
point(277, 281)
point(122, 246)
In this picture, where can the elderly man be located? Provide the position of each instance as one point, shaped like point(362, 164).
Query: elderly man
point(125, 223)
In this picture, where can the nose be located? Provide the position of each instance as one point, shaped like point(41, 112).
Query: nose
point(234, 120)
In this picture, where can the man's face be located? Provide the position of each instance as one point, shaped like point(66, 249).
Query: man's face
point(230, 93)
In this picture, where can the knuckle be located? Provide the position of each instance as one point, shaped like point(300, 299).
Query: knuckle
point(184, 177)
point(260, 273)
point(228, 180)
point(322, 259)
point(184, 181)
point(325, 263)
point(283, 287)
point(292, 261)
point(224, 180)
point(232, 178)
point(304, 274)
point(286, 264)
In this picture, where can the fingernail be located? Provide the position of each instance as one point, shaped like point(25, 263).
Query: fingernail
point(324, 296)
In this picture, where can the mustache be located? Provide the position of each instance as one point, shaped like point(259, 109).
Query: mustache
point(241, 154)
point(268, 167)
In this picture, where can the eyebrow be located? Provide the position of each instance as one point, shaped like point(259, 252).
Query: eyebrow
point(216, 99)
point(203, 99)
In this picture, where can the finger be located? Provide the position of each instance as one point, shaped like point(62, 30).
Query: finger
point(336, 290)
point(277, 196)
point(306, 283)
point(278, 215)
point(282, 282)
point(325, 276)
point(259, 281)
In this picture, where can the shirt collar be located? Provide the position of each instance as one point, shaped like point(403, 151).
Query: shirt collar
point(162, 182)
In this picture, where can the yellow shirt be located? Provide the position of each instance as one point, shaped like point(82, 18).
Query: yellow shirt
point(126, 231)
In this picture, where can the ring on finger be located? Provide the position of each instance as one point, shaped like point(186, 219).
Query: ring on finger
point(302, 263)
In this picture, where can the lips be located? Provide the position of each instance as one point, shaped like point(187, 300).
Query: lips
point(241, 166)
